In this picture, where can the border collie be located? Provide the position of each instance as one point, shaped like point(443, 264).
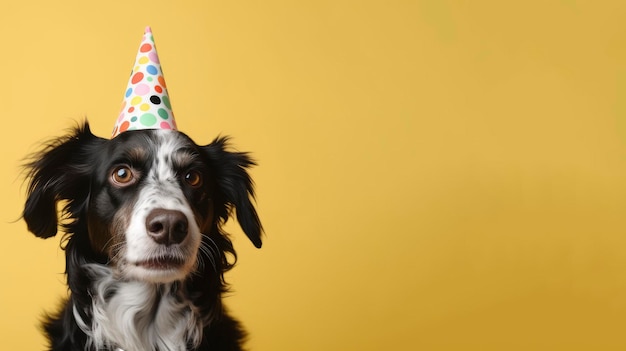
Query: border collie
point(145, 250)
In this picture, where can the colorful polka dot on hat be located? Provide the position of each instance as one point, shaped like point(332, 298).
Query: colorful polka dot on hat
point(146, 103)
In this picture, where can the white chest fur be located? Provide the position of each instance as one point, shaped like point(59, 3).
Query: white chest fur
point(133, 315)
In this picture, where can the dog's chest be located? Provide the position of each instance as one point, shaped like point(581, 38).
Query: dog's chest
point(140, 316)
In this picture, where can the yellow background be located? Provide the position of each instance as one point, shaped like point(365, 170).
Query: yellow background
point(434, 175)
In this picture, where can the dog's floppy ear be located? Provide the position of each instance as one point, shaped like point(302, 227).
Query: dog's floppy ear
point(59, 172)
point(234, 187)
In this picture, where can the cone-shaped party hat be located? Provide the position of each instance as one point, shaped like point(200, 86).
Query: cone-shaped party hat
point(146, 103)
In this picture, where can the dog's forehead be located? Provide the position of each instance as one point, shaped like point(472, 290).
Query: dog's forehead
point(158, 145)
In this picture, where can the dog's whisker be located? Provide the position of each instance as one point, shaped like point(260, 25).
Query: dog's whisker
point(117, 250)
point(213, 245)
point(107, 243)
point(206, 249)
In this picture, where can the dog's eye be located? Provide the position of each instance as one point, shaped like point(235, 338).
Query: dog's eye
point(122, 175)
point(193, 178)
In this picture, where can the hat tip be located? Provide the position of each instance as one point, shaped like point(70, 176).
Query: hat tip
point(148, 29)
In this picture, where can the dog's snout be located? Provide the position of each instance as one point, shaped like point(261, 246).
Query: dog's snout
point(167, 226)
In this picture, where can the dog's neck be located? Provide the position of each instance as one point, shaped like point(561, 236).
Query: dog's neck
point(134, 315)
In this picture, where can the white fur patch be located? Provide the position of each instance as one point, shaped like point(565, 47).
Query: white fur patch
point(135, 315)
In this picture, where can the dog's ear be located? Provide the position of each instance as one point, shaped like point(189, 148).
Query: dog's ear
point(234, 187)
point(59, 172)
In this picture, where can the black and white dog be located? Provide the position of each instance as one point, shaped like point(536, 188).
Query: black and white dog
point(145, 250)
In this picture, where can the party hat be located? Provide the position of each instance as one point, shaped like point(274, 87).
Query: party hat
point(146, 103)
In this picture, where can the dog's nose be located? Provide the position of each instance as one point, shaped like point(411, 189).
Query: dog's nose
point(167, 226)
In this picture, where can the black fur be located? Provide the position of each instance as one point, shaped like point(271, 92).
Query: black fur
point(72, 172)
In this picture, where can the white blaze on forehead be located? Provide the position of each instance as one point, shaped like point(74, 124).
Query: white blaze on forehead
point(160, 189)
point(169, 143)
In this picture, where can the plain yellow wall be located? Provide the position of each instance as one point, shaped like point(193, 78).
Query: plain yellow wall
point(434, 175)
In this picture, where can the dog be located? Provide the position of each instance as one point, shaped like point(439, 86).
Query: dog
point(145, 249)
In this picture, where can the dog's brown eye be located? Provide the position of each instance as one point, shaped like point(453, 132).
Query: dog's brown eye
point(122, 175)
point(193, 178)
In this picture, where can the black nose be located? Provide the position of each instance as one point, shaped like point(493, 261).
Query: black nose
point(167, 226)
